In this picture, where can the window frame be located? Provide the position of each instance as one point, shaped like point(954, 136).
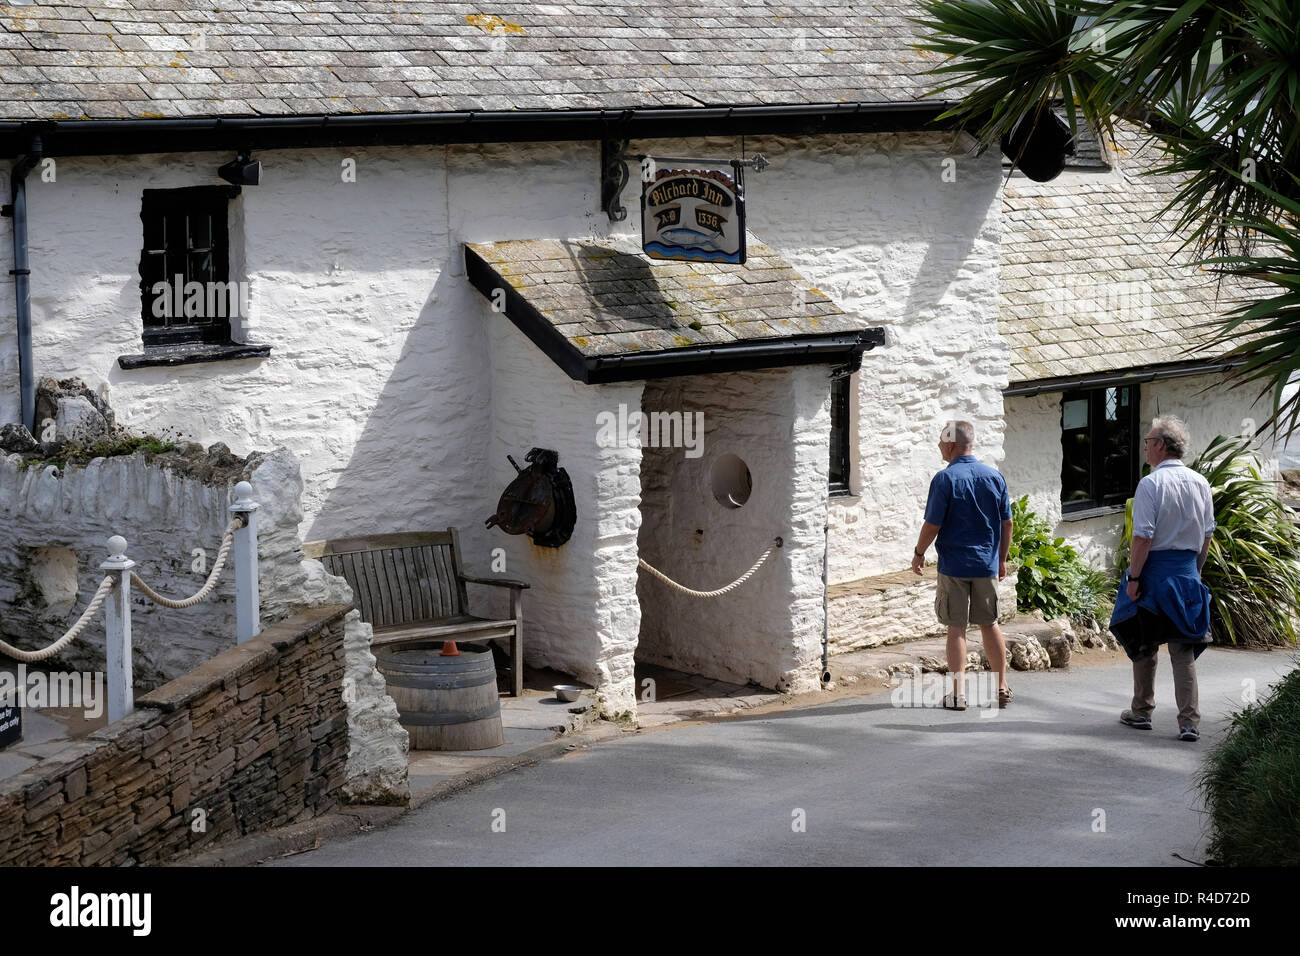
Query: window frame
point(1096, 502)
point(186, 200)
point(841, 450)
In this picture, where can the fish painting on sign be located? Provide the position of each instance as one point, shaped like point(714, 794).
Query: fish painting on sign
point(693, 215)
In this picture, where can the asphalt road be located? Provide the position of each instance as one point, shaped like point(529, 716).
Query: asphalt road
point(1053, 780)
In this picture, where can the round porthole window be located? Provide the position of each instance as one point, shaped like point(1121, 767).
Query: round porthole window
point(731, 481)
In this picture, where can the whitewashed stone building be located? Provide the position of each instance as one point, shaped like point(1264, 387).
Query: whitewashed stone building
point(416, 159)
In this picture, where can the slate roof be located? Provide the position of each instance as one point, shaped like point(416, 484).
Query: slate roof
point(1088, 284)
point(177, 58)
point(604, 297)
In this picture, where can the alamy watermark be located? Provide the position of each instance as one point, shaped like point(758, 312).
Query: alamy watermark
point(928, 690)
point(179, 299)
point(79, 690)
point(651, 430)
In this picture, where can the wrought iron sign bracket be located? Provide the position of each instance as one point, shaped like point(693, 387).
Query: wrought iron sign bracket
point(613, 177)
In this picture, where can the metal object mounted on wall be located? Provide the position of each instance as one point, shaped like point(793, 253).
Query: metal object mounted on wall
point(539, 502)
point(1038, 145)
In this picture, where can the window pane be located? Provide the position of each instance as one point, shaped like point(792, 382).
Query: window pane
point(1117, 455)
point(1076, 449)
point(1112, 404)
point(1074, 414)
point(201, 267)
point(201, 231)
point(839, 450)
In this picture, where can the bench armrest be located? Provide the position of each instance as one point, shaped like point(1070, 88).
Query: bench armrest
point(495, 582)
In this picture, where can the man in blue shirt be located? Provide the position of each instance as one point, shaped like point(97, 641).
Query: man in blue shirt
point(969, 512)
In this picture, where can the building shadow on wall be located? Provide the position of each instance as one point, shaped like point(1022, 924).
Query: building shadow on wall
point(420, 460)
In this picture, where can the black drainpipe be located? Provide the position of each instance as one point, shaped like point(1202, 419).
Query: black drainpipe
point(22, 283)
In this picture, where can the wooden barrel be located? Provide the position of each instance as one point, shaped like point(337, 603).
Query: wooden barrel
point(445, 703)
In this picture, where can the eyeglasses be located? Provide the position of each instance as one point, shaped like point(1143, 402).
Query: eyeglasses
point(1145, 440)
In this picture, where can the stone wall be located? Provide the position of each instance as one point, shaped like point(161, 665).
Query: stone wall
point(768, 630)
point(1033, 463)
point(253, 739)
point(893, 608)
point(54, 525)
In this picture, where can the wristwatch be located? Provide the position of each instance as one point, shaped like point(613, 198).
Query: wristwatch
point(918, 553)
point(1133, 580)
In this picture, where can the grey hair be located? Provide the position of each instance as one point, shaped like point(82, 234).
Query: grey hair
point(1173, 431)
point(962, 434)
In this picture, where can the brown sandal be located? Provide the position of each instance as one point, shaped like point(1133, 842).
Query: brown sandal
point(1005, 697)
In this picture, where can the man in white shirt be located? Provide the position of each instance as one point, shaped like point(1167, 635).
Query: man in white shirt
point(1162, 599)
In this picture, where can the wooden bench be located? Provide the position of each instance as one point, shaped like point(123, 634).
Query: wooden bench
point(410, 588)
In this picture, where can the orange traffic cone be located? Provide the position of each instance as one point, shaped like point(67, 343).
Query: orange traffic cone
point(449, 649)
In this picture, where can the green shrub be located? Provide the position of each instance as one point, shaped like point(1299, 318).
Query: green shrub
point(1251, 783)
point(1052, 578)
point(1253, 566)
point(75, 454)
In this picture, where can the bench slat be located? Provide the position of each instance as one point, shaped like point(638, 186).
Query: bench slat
point(377, 542)
point(397, 583)
point(445, 605)
point(363, 562)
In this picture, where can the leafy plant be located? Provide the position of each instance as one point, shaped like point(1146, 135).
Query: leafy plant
point(1253, 566)
point(1052, 577)
point(1251, 783)
point(74, 454)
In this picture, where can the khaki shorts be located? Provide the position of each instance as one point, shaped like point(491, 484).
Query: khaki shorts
point(961, 602)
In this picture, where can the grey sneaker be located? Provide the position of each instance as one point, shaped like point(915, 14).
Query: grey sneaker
point(1136, 721)
point(1188, 732)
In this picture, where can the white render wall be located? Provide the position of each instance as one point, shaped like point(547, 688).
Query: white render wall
point(872, 223)
point(581, 614)
point(769, 629)
point(378, 377)
point(384, 379)
point(1033, 446)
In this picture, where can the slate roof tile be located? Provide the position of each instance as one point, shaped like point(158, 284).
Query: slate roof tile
point(605, 297)
point(1091, 280)
point(549, 56)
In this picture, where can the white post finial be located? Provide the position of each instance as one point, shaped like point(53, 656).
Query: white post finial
point(248, 605)
point(243, 498)
point(117, 627)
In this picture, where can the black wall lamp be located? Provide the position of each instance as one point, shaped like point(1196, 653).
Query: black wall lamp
point(241, 171)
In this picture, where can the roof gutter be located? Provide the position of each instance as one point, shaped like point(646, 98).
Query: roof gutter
point(22, 283)
point(843, 348)
point(183, 134)
point(1136, 376)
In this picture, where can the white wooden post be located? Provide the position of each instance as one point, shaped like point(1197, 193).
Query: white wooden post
point(248, 604)
point(117, 623)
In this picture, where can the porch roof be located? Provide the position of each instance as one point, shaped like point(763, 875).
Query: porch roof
point(604, 312)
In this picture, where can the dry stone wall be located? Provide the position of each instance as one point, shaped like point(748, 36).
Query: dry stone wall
point(254, 738)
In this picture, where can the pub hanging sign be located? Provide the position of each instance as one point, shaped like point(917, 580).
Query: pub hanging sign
point(693, 215)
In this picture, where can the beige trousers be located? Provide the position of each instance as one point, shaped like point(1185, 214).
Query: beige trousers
point(1183, 659)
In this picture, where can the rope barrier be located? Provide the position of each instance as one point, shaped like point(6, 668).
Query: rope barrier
point(218, 566)
point(720, 591)
point(73, 632)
